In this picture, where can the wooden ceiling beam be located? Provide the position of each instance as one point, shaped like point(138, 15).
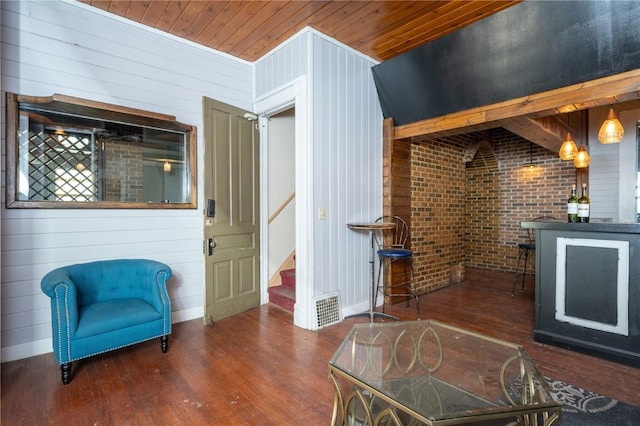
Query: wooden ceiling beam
point(535, 131)
point(601, 92)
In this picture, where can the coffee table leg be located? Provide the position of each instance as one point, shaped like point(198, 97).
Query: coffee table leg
point(338, 403)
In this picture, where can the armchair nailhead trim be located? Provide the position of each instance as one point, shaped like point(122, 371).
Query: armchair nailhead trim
point(116, 347)
point(160, 282)
point(65, 299)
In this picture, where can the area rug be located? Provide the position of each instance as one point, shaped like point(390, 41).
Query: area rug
point(581, 407)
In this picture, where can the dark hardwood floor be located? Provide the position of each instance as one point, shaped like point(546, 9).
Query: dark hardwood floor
point(256, 368)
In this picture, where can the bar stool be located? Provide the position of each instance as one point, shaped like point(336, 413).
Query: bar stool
point(391, 249)
point(524, 249)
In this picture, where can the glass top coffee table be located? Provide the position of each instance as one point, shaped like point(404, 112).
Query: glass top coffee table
point(428, 372)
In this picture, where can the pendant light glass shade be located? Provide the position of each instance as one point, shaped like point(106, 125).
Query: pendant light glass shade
point(167, 167)
point(582, 158)
point(611, 130)
point(568, 150)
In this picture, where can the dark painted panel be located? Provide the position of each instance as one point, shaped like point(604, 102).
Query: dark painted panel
point(626, 35)
point(591, 284)
point(614, 346)
point(526, 49)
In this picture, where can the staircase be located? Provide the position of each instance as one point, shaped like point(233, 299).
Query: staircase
point(284, 295)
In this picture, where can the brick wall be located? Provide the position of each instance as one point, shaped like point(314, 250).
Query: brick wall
point(470, 212)
point(437, 209)
point(124, 179)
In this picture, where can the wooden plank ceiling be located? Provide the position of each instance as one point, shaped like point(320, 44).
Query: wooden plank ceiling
point(249, 29)
point(379, 29)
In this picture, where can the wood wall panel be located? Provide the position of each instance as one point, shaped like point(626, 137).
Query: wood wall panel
point(397, 197)
point(388, 140)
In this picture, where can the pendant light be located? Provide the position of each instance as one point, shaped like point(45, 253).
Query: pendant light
point(582, 158)
point(530, 164)
point(611, 130)
point(167, 165)
point(568, 150)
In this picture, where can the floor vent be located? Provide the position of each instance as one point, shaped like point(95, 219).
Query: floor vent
point(327, 309)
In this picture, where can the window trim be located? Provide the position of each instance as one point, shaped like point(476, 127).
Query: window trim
point(98, 110)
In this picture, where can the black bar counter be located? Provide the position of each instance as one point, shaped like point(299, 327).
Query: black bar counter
point(588, 288)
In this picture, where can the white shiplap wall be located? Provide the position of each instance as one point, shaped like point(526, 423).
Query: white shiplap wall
point(283, 65)
point(69, 48)
point(347, 153)
point(627, 204)
point(613, 169)
point(72, 49)
point(345, 122)
point(604, 171)
point(346, 157)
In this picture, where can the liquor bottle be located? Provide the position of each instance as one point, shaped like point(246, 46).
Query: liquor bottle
point(584, 204)
point(572, 206)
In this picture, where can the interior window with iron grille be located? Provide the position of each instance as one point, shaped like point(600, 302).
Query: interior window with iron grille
point(65, 152)
point(60, 165)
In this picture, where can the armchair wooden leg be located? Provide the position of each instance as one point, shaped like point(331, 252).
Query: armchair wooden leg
point(164, 343)
point(66, 373)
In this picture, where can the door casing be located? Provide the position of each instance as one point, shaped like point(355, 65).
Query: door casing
point(293, 94)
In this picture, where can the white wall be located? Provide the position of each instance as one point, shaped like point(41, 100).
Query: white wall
point(628, 166)
point(281, 185)
point(613, 169)
point(347, 157)
point(345, 162)
point(283, 65)
point(72, 49)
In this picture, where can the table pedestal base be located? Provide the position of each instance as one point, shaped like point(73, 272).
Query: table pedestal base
point(371, 228)
point(372, 315)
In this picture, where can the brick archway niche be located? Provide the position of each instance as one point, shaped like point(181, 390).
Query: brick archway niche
point(437, 228)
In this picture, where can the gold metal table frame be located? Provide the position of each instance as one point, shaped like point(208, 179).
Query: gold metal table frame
point(430, 373)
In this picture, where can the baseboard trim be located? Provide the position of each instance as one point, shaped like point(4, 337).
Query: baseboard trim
point(39, 347)
point(356, 309)
point(26, 350)
point(187, 315)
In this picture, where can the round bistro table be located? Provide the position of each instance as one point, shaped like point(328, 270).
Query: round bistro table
point(372, 227)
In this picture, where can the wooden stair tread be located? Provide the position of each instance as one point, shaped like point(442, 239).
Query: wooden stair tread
point(283, 296)
point(284, 291)
point(288, 277)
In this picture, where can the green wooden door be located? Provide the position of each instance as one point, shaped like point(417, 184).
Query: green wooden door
point(232, 226)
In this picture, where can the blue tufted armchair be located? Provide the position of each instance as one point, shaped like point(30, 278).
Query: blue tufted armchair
point(100, 306)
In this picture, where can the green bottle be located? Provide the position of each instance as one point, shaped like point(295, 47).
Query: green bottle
point(572, 206)
point(584, 205)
